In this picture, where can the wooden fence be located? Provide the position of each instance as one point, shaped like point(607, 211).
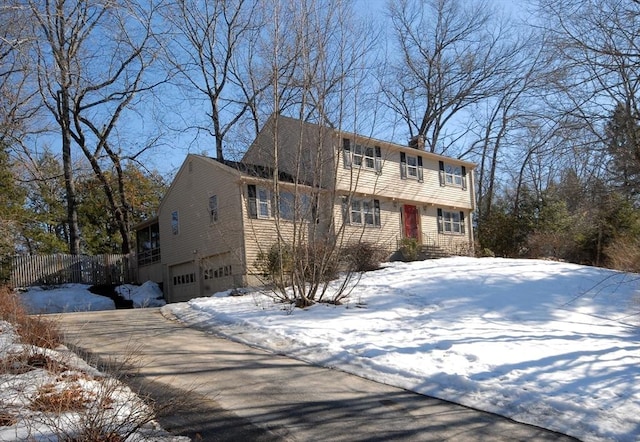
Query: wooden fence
point(60, 269)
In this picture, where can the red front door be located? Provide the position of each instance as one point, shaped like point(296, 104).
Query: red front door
point(410, 221)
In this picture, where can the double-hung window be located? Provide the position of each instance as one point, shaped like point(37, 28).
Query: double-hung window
point(294, 208)
point(361, 212)
point(364, 157)
point(453, 175)
point(411, 167)
point(286, 205)
point(358, 155)
point(262, 204)
point(450, 222)
point(259, 200)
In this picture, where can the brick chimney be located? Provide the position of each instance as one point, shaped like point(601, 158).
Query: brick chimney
point(417, 142)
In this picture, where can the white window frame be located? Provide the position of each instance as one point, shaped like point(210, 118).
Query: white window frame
point(263, 203)
point(452, 223)
point(453, 175)
point(286, 206)
point(412, 166)
point(363, 213)
point(291, 208)
point(213, 208)
point(363, 156)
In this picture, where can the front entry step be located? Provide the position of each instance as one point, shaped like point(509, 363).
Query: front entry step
point(432, 252)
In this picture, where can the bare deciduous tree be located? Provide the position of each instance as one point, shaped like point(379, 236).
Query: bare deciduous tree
point(453, 54)
point(211, 48)
point(92, 58)
point(316, 56)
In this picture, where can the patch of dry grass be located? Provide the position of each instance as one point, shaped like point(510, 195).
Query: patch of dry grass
point(33, 330)
point(50, 399)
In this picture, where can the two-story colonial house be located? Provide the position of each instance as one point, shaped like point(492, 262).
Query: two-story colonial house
point(217, 216)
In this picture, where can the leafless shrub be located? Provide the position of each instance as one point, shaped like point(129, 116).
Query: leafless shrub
point(553, 245)
point(72, 402)
point(624, 254)
point(362, 256)
point(82, 407)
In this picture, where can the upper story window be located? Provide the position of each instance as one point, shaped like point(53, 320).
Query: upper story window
point(358, 155)
point(411, 167)
point(453, 175)
point(361, 212)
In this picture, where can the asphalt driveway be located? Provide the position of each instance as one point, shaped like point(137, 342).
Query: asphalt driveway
point(212, 389)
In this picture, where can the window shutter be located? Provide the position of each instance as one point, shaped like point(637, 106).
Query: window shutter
point(346, 152)
point(440, 224)
point(403, 165)
point(441, 166)
point(376, 213)
point(378, 159)
point(461, 222)
point(464, 178)
point(253, 207)
point(420, 171)
point(315, 216)
point(345, 210)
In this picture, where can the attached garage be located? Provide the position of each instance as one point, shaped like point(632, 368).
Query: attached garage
point(184, 282)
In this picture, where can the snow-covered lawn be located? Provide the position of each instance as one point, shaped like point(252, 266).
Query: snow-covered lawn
point(547, 343)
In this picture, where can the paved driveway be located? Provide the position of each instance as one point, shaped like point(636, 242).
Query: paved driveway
point(228, 391)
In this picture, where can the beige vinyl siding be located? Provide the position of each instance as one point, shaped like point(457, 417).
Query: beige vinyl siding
point(386, 236)
point(260, 234)
point(459, 244)
point(197, 180)
point(390, 184)
point(150, 272)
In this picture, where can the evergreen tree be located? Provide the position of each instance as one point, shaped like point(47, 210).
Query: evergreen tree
point(11, 199)
point(99, 227)
point(623, 144)
point(45, 230)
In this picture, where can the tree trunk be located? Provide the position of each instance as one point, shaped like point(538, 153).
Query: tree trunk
point(70, 188)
